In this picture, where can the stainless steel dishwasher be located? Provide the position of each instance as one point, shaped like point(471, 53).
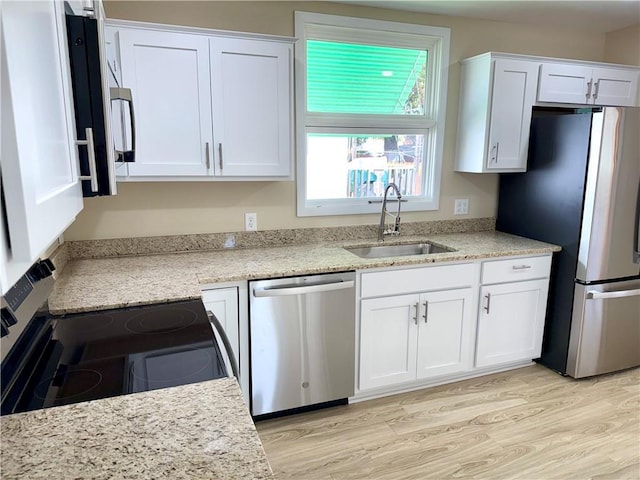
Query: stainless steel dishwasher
point(302, 341)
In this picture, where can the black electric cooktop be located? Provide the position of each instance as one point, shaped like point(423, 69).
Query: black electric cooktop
point(75, 358)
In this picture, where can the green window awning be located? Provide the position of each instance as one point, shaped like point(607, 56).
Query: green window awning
point(364, 79)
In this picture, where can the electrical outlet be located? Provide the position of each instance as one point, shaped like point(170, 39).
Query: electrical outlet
point(251, 222)
point(230, 241)
point(461, 206)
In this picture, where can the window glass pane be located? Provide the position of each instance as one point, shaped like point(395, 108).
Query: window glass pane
point(354, 166)
point(367, 79)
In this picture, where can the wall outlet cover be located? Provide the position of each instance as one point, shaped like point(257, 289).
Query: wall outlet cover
point(251, 222)
point(461, 206)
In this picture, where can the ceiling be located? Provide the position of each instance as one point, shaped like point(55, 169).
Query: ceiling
point(598, 16)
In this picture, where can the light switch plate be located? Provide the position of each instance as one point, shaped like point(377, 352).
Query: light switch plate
point(461, 206)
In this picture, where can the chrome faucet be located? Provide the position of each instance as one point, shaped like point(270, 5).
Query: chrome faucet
point(396, 218)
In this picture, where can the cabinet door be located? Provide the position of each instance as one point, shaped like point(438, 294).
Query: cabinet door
point(168, 74)
point(388, 340)
point(223, 302)
point(39, 160)
point(615, 87)
point(251, 86)
point(444, 333)
point(565, 83)
point(511, 322)
point(514, 92)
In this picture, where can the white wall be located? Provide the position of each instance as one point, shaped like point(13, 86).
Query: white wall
point(174, 208)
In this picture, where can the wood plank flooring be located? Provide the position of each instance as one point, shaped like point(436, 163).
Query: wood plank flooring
point(529, 423)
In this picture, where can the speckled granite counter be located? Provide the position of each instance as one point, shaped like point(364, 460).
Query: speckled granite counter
point(199, 431)
point(102, 283)
point(195, 431)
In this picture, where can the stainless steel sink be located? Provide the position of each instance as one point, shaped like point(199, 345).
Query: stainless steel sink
point(381, 251)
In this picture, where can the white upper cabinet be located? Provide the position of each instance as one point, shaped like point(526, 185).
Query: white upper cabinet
point(206, 106)
point(39, 158)
point(498, 92)
point(586, 84)
point(168, 74)
point(250, 81)
point(496, 98)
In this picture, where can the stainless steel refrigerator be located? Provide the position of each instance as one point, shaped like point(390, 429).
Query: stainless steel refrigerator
point(582, 191)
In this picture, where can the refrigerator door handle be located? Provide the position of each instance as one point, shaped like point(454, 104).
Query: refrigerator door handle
point(595, 295)
point(636, 234)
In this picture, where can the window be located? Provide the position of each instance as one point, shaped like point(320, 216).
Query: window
point(370, 110)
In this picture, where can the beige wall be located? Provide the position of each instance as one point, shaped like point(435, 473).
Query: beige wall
point(623, 46)
point(172, 208)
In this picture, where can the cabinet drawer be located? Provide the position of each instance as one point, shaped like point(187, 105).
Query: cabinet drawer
point(516, 269)
point(396, 282)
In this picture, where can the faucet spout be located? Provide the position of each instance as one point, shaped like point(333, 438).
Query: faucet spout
point(382, 230)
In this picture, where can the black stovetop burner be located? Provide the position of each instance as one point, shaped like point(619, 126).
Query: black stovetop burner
point(80, 357)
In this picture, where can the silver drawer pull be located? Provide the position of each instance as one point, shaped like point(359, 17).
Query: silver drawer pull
point(415, 317)
point(521, 267)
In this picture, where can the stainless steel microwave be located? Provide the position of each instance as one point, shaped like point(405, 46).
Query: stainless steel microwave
point(95, 90)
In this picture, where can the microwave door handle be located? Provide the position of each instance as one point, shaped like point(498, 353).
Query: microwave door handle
point(636, 233)
point(125, 95)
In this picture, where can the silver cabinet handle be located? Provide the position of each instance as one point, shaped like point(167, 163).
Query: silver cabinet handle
point(415, 317)
point(426, 309)
point(91, 154)
point(220, 155)
point(488, 297)
point(207, 156)
point(299, 290)
point(595, 91)
point(595, 295)
point(589, 84)
point(494, 152)
point(521, 267)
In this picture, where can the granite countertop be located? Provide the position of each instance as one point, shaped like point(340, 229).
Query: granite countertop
point(114, 282)
point(201, 430)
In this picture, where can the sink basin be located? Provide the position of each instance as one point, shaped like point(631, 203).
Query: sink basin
point(381, 251)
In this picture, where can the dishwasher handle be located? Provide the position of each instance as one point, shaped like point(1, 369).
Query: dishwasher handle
point(301, 290)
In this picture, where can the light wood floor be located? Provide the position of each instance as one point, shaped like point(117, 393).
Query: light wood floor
point(529, 423)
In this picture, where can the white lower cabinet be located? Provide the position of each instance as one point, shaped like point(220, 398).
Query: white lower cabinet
point(511, 322)
point(433, 325)
point(388, 340)
point(445, 332)
point(404, 338)
point(409, 337)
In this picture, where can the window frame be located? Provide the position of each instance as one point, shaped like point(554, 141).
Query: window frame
point(436, 40)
